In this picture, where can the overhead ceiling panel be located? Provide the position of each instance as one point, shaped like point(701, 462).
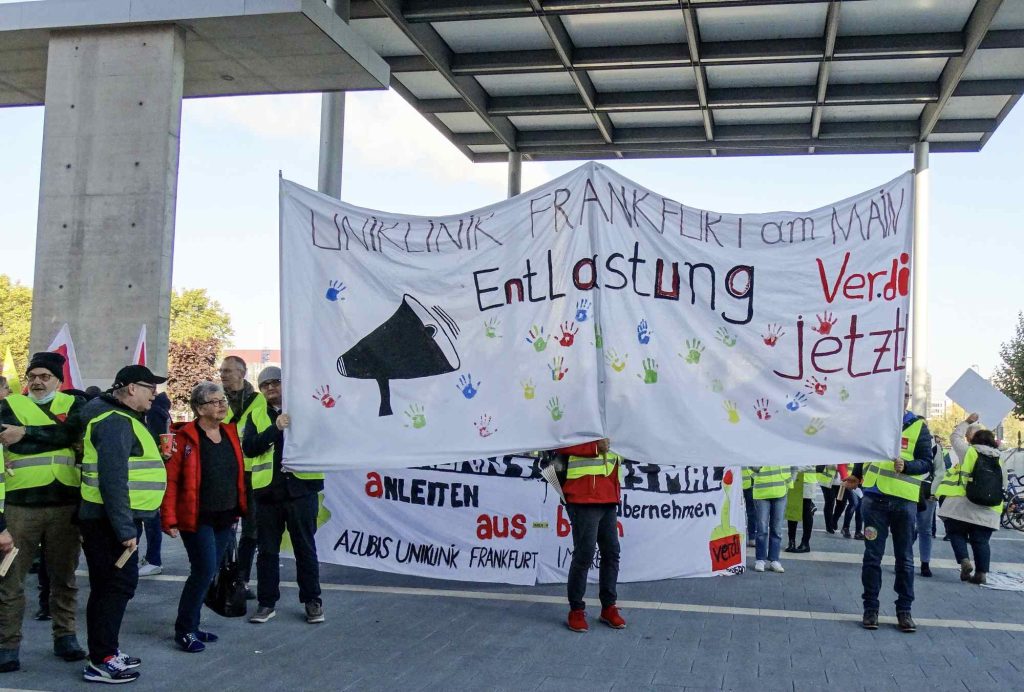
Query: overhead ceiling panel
point(881, 17)
point(1009, 16)
point(463, 122)
point(767, 116)
point(657, 78)
point(762, 22)
point(998, 63)
point(384, 37)
point(486, 35)
point(553, 122)
point(901, 111)
point(427, 85)
point(657, 119)
point(974, 107)
point(532, 83)
point(783, 74)
point(951, 137)
point(625, 28)
point(902, 70)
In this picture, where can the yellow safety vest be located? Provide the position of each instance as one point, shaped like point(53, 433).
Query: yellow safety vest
point(40, 469)
point(826, 476)
point(954, 483)
point(883, 473)
point(262, 467)
point(748, 478)
point(258, 400)
point(147, 477)
point(592, 466)
point(771, 482)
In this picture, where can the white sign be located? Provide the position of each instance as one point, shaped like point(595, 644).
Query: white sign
point(592, 307)
point(973, 392)
point(496, 520)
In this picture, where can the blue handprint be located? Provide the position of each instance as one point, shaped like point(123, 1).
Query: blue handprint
point(465, 385)
point(799, 399)
point(334, 290)
point(643, 334)
point(582, 310)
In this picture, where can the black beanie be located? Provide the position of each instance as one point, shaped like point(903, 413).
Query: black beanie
point(54, 362)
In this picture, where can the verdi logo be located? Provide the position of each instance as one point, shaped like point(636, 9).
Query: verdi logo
point(724, 545)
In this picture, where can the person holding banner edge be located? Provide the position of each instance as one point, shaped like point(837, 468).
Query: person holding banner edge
point(892, 490)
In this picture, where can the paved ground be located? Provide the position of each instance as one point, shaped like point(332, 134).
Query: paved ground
point(797, 631)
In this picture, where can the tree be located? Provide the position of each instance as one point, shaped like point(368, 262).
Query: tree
point(194, 315)
point(15, 319)
point(1009, 377)
point(189, 363)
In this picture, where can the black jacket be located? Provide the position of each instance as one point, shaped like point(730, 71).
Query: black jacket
point(115, 441)
point(283, 486)
point(158, 417)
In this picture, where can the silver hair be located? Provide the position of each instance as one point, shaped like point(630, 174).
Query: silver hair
point(201, 393)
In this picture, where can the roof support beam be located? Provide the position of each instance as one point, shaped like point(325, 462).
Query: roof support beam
point(825, 67)
point(699, 72)
point(974, 33)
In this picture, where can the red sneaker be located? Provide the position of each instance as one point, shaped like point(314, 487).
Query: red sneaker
point(611, 617)
point(577, 621)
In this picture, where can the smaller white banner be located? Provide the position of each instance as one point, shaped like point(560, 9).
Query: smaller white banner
point(976, 395)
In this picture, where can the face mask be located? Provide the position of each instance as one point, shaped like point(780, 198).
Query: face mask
point(46, 399)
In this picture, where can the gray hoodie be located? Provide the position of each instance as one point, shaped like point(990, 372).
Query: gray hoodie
point(960, 507)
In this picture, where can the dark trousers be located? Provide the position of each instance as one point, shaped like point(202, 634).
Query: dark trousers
point(154, 537)
point(808, 519)
point(44, 580)
point(853, 511)
point(248, 541)
point(593, 526)
point(884, 515)
point(205, 548)
point(748, 503)
point(961, 533)
point(829, 493)
point(298, 515)
point(110, 588)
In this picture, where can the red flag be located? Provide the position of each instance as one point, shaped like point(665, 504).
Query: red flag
point(140, 349)
point(63, 345)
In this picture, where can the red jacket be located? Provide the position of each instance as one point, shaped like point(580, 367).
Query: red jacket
point(591, 490)
point(180, 507)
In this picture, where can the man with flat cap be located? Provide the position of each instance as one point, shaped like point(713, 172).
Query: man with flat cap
point(41, 479)
point(123, 482)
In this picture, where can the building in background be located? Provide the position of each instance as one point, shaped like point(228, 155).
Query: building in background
point(256, 359)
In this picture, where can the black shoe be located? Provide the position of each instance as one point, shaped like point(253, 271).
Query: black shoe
point(111, 671)
point(846, 533)
point(68, 648)
point(858, 536)
point(870, 621)
point(791, 548)
point(830, 531)
point(905, 622)
point(189, 642)
point(926, 570)
point(43, 614)
point(803, 548)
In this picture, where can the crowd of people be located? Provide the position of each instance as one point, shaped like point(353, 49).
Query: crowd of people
point(94, 471)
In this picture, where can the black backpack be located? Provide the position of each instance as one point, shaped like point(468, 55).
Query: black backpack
point(986, 485)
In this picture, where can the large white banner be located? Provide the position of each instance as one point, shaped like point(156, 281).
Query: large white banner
point(495, 520)
point(592, 307)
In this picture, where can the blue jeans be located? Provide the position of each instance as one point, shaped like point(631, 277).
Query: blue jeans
point(885, 514)
point(154, 537)
point(748, 503)
point(205, 548)
point(853, 512)
point(771, 515)
point(923, 531)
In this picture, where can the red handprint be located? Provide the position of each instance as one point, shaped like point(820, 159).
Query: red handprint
point(775, 332)
point(323, 395)
point(825, 323)
point(569, 330)
point(816, 386)
point(761, 408)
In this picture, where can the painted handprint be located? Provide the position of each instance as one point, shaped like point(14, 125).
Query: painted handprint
point(582, 310)
point(817, 386)
point(537, 338)
point(814, 427)
point(799, 399)
point(555, 408)
point(825, 323)
point(762, 407)
point(717, 387)
point(334, 290)
point(416, 416)
point(323, 395)
point(618, 363)
point(772, 336)
point(483, 426)
point(465, 385)
point(529, 391)
point(643, 333)
point(557, 371)
point(693, 350)
point(491, 328)
point(598, 336)
point(732, 411)
point(650, 375)
point(843, 394)
point(569, 330)
point(723, 335)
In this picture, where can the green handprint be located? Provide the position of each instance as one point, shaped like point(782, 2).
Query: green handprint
point(554, 408)
point(843, 394)
point(491, 328)
point(650, 375)
point(537, 338)
point(416, 415)
point(717, 387)
point(723, 335)
point(598, 336)
point(734, 414)
point(612, 358)
point(814, 427)
point(693, 350)
point(528, 389)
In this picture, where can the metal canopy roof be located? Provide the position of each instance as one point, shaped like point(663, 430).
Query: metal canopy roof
point(570, 79)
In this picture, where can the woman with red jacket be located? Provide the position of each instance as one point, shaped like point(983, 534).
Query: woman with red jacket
point(205, 497)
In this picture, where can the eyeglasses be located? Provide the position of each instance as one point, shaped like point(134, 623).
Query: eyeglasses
point(271, 383)
point(215, 402)
point(43, 377)
point(150, 387)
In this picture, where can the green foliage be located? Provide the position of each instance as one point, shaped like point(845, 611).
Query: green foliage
point(195, 316)
point(189, 363)
point(15, 319)
point(1009, 376)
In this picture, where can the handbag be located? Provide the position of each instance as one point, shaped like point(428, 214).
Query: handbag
point(226, 595)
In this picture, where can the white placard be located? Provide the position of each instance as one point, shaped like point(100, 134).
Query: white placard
point(974, 394)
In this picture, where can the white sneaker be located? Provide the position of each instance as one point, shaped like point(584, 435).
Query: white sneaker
point(776, 566)
point(759, 566)
point(148, 570)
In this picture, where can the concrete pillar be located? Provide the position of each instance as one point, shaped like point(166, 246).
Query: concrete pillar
point(107, 193)
point(515, 173)
point(919, 297)
point(332, 126)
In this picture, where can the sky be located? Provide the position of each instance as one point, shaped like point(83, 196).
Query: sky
point(232, 149)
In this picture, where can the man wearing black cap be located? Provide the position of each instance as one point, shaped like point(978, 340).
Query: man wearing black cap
point(123, 481)
point(42, 490)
